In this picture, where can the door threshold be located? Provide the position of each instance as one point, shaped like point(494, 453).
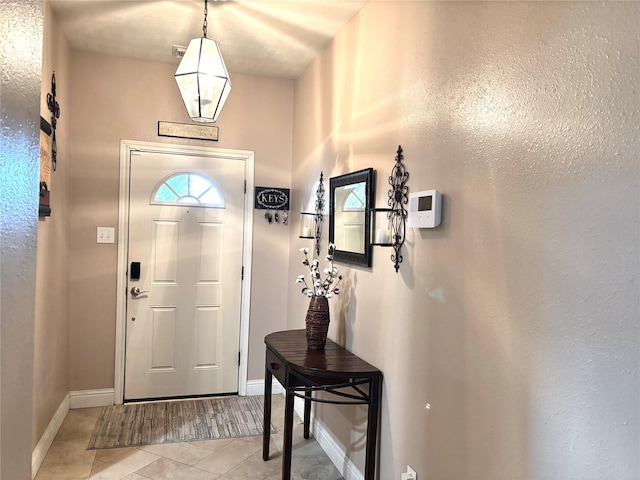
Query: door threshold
point(179, 398)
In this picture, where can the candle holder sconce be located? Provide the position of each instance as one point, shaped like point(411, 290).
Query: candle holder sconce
point(388, 224)
point(54, 108)
point(311, 222)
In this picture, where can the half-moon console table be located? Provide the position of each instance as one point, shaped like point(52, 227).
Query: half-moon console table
point(347, 379)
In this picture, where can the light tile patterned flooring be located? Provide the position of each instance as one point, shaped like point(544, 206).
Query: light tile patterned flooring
point(223, 459)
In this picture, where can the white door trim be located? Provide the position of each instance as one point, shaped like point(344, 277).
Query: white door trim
point(126, 146)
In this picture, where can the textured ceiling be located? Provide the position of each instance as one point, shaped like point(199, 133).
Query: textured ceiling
point(258, 37)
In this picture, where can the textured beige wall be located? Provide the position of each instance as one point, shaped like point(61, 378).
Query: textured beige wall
point(21, 54)
point(116, 98)
point(50, 369)
point(517, 319)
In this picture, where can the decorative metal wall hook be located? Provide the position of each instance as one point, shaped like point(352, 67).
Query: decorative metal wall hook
point(54, 108)
point(311, 222)
point(398, 198)
point(319, 212)
point(389, 224)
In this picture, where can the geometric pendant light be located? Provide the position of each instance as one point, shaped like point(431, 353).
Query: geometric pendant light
point(202, 78)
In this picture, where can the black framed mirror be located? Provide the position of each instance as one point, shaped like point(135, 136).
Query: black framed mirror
point(350, 197)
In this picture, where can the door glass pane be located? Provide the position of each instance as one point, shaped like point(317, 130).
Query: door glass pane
point(186, 188)
point(198, 185)
point(179, 183)
point(165, 194)
point(212, 197)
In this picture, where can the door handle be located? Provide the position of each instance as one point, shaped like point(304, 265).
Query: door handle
point(135, 292)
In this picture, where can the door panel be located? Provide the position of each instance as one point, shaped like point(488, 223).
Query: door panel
point(182, 334)
point(210, 248)
point(165, 251)
point(163, 344)
point(207, 330)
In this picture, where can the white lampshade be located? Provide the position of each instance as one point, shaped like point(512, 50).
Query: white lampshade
point(203, 80)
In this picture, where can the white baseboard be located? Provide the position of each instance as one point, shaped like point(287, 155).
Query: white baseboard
point(102, 397)
point(330, 445)
point(38, 454)
point(256, 387)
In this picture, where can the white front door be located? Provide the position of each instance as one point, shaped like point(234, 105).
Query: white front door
point(186, 216)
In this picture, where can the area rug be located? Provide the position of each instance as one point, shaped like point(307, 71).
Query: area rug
point(177, 421)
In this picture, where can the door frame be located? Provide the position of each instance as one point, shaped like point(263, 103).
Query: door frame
point(128, 146)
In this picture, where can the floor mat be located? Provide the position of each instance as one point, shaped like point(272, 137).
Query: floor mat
point(177, 421)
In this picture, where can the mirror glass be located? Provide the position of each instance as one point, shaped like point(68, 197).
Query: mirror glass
point(350, 197)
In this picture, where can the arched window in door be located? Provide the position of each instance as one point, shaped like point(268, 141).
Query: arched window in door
point(188, 188)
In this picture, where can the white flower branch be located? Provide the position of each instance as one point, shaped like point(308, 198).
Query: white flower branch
point(322, 287)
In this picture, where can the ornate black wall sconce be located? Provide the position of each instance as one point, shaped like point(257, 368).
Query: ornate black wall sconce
point(388, 224)
point(311, 222)
point(54, 108)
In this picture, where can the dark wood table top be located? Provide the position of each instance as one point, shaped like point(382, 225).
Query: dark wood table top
point(334, 360)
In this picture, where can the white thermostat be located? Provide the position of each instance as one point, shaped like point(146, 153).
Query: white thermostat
point(425, 209)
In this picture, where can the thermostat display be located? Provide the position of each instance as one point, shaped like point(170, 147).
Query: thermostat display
point(425, 203)
point(425, 209)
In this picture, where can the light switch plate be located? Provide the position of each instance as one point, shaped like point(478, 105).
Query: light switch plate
point(106, 235)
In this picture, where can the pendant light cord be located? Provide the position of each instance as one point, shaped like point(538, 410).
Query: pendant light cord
point(204, 24)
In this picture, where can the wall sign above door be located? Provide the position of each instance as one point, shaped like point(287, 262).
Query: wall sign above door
point(186, 130)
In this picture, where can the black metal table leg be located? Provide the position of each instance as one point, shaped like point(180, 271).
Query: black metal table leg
point(266, 432)
point(288, 434)
point(375, 392)
point(307, 414)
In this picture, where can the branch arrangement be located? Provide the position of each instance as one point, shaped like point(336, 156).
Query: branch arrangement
point(320, 287)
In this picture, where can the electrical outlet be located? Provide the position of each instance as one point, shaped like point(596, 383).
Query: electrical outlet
point(106, 235)
point(410, 474)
